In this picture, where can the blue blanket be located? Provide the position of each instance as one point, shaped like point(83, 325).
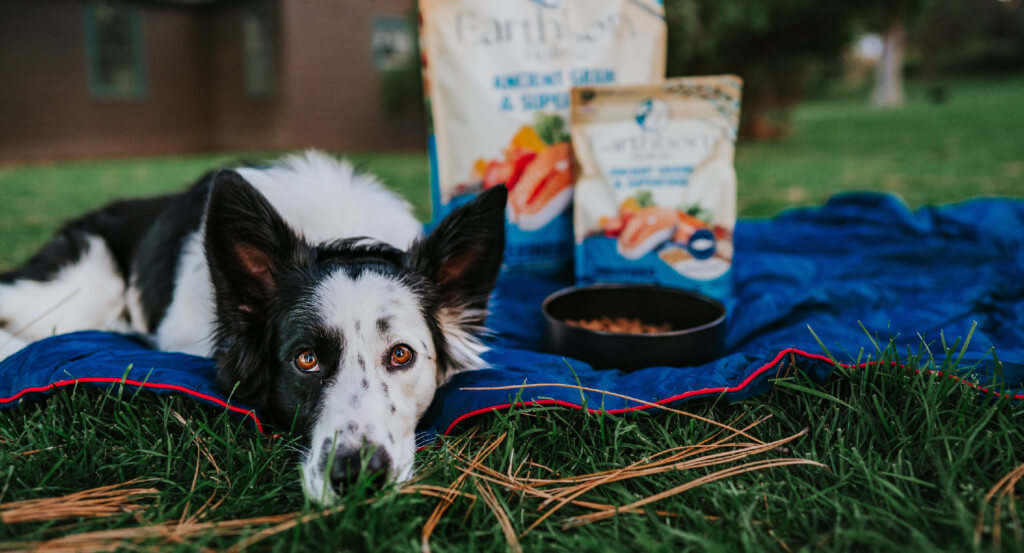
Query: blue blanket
point(860, 258)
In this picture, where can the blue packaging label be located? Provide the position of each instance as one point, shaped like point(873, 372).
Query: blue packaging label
point(655, 201)
point(599, 259)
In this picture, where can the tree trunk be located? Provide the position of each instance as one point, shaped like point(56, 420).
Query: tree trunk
point(889, 71)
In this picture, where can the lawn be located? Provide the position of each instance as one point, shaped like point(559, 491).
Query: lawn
point(37, 199)
point(926, 153)
point(909, 457)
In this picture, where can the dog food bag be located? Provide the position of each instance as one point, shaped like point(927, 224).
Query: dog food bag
point(497, 75)
point(656, 194)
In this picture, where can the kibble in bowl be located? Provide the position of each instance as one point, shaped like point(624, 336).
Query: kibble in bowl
point(630, 327)
point(621, 325)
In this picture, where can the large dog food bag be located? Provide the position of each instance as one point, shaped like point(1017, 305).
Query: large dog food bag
point(497, 76)
point(656, 195)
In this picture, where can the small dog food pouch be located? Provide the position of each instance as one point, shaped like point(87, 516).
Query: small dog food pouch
point(655, 200)
point(497, 75)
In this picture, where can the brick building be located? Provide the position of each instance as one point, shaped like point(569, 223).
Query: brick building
point(105, 78)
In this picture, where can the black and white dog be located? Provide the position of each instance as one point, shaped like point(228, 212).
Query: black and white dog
point(307, 281)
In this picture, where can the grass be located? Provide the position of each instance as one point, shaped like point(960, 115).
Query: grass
point(909, 460)
point(910, 457)
point(37, 199)
point(926, 153)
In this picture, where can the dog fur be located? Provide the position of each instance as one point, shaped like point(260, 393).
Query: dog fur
point(268, 270)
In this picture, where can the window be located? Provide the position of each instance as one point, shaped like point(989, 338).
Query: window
point(392, 43)
point(115, 59)
point(258, 51)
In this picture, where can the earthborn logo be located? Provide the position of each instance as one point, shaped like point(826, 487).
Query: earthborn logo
point(651, 114)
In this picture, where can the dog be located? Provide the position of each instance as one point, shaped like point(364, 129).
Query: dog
point(309, 284)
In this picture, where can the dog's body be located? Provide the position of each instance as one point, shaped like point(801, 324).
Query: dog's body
point(306, 281)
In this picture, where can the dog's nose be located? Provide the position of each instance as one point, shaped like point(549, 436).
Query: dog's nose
point(349, 463)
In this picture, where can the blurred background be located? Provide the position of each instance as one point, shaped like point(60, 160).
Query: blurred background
point(103, 99)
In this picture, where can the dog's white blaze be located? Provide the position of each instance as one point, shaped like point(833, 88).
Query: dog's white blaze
point(85, 295)
point(352, 414)
point(344, 203)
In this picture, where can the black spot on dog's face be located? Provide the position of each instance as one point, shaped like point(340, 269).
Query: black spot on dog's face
point(383, 326)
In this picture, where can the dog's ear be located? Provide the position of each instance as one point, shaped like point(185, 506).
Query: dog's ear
point(463, 255)
point(248, 246)
point(462, 258)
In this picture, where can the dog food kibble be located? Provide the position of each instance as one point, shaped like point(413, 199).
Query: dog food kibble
point(620, 325)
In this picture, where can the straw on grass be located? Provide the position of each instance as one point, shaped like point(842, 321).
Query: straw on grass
point(182, 532)
point(717, 475)
point(204, 451)
point(728, 446)
point(92, 503)
point(449, 497)
point(607, 393)
point(106, 540)
point(723, 447)
point(1004, 488)
point(499, 513)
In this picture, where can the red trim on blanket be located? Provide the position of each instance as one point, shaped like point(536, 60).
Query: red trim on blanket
point(692, 393)
point(112, 380)
point(709, 391)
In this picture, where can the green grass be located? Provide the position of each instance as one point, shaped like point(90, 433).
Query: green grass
point(926, 153)
point(37, 199)
point(910, 457)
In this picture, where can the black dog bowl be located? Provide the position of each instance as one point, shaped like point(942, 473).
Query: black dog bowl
point(698, 324)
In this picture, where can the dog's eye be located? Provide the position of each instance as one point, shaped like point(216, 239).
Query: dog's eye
point(307, 362)
point(401, 356)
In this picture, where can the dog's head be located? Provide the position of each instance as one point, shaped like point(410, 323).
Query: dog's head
point(346, 342)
